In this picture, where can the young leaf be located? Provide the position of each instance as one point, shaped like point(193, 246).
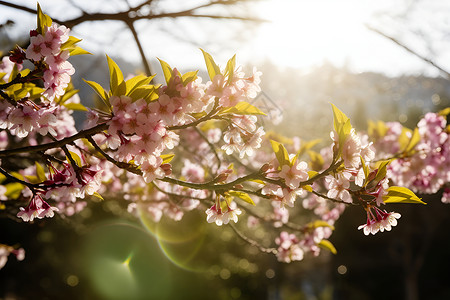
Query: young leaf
point(167, 158)
point(281, 153)
point(326, 244)
point(75, 106)
point(116, 83)
point(229, 69)
point(189, 77)
point(137, 81)
point(100, 91)
point(40, 173)
point(319, 223)
point(382, 168)
point(244, 196)
point(167, 70)
point(75, 158)
point(78, 51)
point(211, 66)
point(97, 195)
point(70, 44)
point(42, 20)
point(397, 194)
point(415, 138)
point(339, 118)
point(13, 190)
point(242, 108)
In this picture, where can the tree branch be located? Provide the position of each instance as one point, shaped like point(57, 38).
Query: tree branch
point(425, 59)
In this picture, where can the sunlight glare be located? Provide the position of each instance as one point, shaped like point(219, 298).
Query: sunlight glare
point(306, 33)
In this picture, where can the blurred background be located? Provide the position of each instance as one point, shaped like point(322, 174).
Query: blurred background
point(375, 60)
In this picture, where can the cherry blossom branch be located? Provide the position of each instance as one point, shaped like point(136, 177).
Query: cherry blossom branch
point(56, 144)
point(122, 165)
point(31, 186)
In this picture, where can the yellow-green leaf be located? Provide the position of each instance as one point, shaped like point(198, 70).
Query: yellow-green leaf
point(211, 66)
point(229, 69)
point(116, 83)
point(75, 106)
point(167, 158)
point(339, 118)
point(70, 44)
point(382, 169)
point(76, 158)
point(281, 153)
point(311, 174)
point(444, 112)
point(189, 77)
point(97, 195)
point(326, 244)
point(167, 70)
point(244, 196)
point(242, 108)
point(40, 172)
point(319, 223)
point(13, 190)
point(137, 81)
point(42, 20)
point(100, 91)
point(307, 188)
point(78, 51)
point(415, 139)
point(398, 194)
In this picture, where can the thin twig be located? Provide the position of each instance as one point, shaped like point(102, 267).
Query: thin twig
point(252, 242)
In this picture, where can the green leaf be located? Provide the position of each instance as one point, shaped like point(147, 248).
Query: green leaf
point(244, 196)
point(146, 92)
point(167, 70)
point(382, 168)
point(75, 158)
point(100, 91)
point(229, 69)
point(13, 190)
point(97, 195)
point(189, 77)
point(69, 94)
point(444, 112)
point(40, 172)
point(42, 20)
point(397, 194)
point(70, 44)
point(415, 138)
point(167, 158)
point(211, 66)
point(242, 108)
point(326, 244)
point(116, 83)
point(78, 51)
point(339, 118)
point(281, 153)
point(75, 106)
point(137, 81)
point(319, 223)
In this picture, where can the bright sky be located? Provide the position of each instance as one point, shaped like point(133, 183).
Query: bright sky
point(302, 33)
point(306, 33)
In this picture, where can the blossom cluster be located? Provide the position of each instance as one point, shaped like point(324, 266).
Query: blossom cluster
point(426, 168)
